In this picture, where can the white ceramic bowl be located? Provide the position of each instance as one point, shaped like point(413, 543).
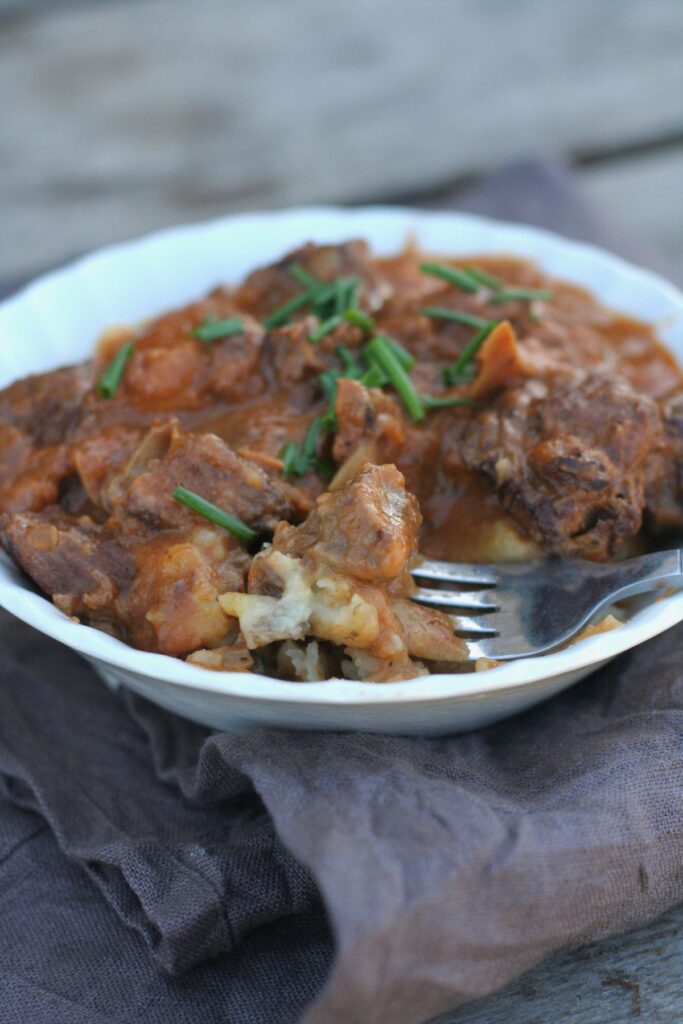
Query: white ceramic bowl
point(56, 320)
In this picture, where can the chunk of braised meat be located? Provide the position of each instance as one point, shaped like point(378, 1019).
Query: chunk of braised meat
point(30, 477)
point(161, 595)
point(38, 415)
point(368, 529)
point(342, 577)
point(235, 364)
point(367, 419)
point(100, 458)
point(177, 325)
point(238, 369)
point(206, 465)
point(568, 459)
point(288, 357)
point(664, 493)
point(48, 407)
point(267, 288)
point(73, 560)
point(373, 428)
point(171, 369)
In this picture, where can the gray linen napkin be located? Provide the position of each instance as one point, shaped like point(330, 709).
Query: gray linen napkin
point(446, 866)
point(204, 883)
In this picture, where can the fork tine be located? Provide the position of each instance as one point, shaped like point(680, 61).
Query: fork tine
point(482, 600)
point(455, 572)
point(471, 626)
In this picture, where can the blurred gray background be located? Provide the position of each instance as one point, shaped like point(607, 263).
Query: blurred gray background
point(119, 117)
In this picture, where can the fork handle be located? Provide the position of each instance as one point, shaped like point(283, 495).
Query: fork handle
point(648, 572)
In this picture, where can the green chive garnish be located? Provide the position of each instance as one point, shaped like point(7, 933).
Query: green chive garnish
point(328, 382)
point(211, 330)
point(290, 458)
point(360, 319)
point(460, 278)
point(441, 313)
point(328, 299)
point(455, 370)
point(301, 275)
point(375, 377)
point(523, 295)
point(111, 378)
point(282, 314)
point(392, 366)
point(346, 293)
point(464, 377)
point(308, 448)
point(433, 402)
point(405, 358)
point(325, 327)
point(485, 278)
point(348, 362)
point(297, 460)
point(214, 514)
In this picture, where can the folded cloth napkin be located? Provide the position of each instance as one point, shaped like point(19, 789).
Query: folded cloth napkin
point(444, 866)
point(204, 883)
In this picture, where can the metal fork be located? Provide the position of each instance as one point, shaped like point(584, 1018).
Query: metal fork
point(517, 610)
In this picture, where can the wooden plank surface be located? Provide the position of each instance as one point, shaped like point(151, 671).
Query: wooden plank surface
point(634, 977)
point(121, 117)
point(645, 193)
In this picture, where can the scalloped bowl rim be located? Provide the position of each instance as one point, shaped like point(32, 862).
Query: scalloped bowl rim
point(324, 223)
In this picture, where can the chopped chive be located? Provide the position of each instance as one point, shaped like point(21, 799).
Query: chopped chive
point(360, 319)
point(452, 372)
point(523, 295)
point(290, 458)
point(347, 293)
point(111, 378)
point(328, 382)
point(483, 277)
point(405, 358)
point(348, 361)
point(392, 366)
point(328, 299)
point(375, 377)
point(441, 313)
point(329, 420)
point(340, 293)
point(433, 402)
point(297, 460)
point(352, 294)
point(325, 292)
point(302, 275)
point(214, 514)
point(282, 314)
point(325, 327)
point(308, 448)
point(460, 278)
point(463, 377)
point(211, 330)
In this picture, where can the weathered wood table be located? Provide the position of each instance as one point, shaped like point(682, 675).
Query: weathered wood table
point(120, 117)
